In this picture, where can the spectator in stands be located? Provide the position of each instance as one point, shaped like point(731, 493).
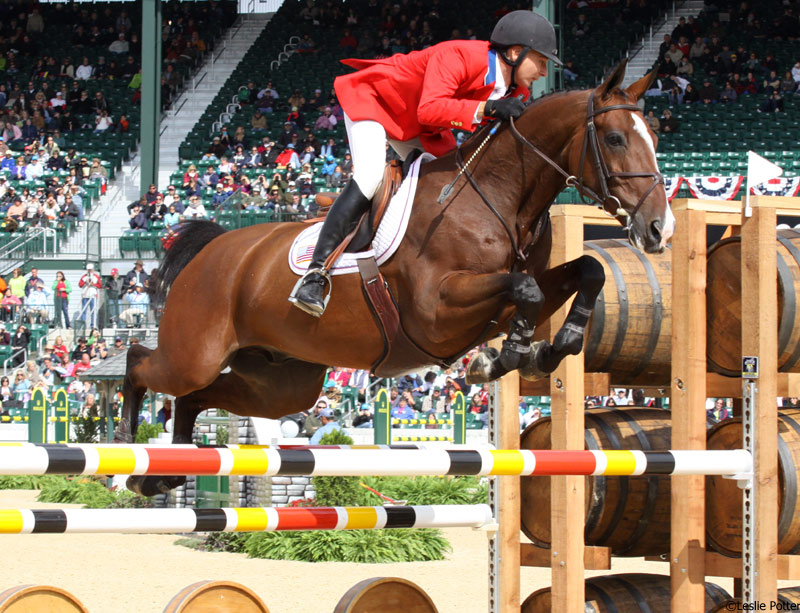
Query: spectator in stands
point(195, 209)
point(728, 93)
point(674, 54)
point(56, 162)
point(90, 284)
point(102, 122)
point(217, 148)
point(120, 46)
point(773, 104)
point(136, 274)
point(138, 302)
point(172, 217)
point(20, 341)
point(258, 122)
point(667, 67)
point(690, 94)
point(326, 121)
point(286, 137)
point(653, 122)
point(288, 157)
point(36, 304)
point(252, 159)
point(788, 84)
point(708, 93)
point(668, 122)
point(685, 68)
point(34, 170)
point(32, 281)
point(85, 70)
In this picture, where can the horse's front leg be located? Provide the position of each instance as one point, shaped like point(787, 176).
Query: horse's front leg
point(521, 290)
point(584, 275)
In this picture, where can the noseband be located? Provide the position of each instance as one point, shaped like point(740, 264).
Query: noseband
point(610, 204)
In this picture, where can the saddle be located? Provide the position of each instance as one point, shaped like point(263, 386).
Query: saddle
point(361, 237)
point(398, 348)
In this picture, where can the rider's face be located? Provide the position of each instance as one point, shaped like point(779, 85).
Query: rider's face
point(533, 67)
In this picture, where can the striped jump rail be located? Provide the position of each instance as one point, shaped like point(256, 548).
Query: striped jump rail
point(13, 419)
point(421, 422)
point(265, 519)
point(400, 439)
point(84, 459)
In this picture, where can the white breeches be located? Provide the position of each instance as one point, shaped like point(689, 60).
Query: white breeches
point(368, 148)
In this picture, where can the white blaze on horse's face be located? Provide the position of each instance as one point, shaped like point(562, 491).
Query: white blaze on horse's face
point(640, 127)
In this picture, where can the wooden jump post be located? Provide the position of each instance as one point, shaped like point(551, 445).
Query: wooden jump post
point(690, 385)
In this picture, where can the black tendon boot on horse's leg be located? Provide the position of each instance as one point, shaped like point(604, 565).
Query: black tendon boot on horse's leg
point(586, 274)
point(340, 220)
point(489, 364)
point(186, 413)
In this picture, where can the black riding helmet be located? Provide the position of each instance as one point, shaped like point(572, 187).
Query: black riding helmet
point(528, 29)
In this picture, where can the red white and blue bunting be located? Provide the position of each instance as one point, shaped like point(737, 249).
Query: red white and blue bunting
point(714, 188)
point(672, 185)
point(788, 186)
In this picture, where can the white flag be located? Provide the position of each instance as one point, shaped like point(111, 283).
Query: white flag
point(760, 169)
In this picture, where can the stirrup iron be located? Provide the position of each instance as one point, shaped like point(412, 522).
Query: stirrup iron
point(303, 306)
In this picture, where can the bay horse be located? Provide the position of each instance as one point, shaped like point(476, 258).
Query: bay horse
point(468, 269)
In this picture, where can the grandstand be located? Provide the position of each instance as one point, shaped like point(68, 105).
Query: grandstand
point(218, 61)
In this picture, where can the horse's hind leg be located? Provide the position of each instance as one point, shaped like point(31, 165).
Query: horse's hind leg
point(584, 275)
point(187, 408)
point(132, 394)
point(272, 389)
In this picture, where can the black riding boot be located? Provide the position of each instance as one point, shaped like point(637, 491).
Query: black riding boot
point(340, 220)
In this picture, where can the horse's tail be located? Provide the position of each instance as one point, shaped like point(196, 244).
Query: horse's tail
point(192, 236)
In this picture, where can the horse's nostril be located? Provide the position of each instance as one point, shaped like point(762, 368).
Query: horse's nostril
point(655, 228)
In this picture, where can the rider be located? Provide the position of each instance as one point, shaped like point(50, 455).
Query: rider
point(414, 101)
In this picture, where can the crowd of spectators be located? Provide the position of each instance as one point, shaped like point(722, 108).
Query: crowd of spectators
point(706, 61)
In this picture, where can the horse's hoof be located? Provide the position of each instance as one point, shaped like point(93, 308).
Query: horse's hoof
point(479, 369)
point(123, 433)
point(153, 485)
point(530, 371)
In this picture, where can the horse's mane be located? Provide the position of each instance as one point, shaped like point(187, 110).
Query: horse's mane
point(480, 133)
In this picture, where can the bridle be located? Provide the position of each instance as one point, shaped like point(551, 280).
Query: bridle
point(609, 203)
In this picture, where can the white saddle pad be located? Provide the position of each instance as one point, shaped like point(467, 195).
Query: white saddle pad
point(387, 239)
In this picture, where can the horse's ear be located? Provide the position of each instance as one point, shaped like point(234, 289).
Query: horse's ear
point(615, 80)
point(637, 89)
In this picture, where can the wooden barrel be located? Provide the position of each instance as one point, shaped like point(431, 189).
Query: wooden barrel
point(724, 498)
point(386, 595)
point(206, 596)
point(629, 333)
point(626, 593)
point(27, 598)
point(786, 596)
point(631, 515)
point(724, 304)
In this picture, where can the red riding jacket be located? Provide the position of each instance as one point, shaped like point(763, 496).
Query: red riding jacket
point(424, 93)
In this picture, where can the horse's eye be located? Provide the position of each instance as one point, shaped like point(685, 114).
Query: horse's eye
point(615, 139)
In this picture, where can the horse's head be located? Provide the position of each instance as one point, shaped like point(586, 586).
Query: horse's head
point(615, 159)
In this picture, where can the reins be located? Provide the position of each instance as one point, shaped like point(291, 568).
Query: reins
point(590, 140)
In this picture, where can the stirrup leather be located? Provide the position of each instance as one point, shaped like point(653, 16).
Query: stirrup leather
point(293, 296)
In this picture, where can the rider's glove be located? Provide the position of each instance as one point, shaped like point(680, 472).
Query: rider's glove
point(505, 108)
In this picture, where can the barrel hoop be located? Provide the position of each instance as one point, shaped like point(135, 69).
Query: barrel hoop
point(607, 601)
point(600, 485)
point(596, 329)
point(790, 484)
point(789, 481)
point(653, 482)
point(658, 312)
point(716, 593)
point(624, 486)
point(641, 602)
point(789, 305)
point(622, 294)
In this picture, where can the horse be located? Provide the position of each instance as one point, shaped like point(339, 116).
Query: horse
point(469, 268)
